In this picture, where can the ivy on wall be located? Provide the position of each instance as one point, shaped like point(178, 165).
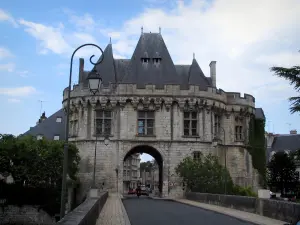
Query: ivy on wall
point(257, 146)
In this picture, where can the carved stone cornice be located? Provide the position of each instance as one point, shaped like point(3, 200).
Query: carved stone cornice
point(156, 103)
point(227, 114)
point(94, 105)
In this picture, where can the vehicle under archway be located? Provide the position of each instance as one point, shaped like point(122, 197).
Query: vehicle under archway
point(152, 152)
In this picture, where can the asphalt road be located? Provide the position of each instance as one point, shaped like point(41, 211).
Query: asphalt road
point(146, 211)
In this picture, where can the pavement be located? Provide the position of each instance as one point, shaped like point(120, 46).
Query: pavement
point(242, 215)
point(159, 211)
point(113, 212)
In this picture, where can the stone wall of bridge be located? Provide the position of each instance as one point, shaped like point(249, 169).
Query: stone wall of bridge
point(276, 209)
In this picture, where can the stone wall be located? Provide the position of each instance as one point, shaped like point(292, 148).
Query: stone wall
point(86, 213)
point(24, 215)
point(280, 210)
point(169, 140)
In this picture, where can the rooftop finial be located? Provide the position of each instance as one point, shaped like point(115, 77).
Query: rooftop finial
point(109, 40)
point(142, 30)
point(193, 55)
point(160, 30)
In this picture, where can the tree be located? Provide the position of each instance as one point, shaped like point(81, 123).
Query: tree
point(35, 162)
point(293, 75)
point(146, 166)
point(36, 167)
point(257, 147)
point(204, 175)
point(282, 172)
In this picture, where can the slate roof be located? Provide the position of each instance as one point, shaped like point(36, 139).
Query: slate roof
point(259, 113)
point(134, 71)
point(284, 142)
point(49, 127)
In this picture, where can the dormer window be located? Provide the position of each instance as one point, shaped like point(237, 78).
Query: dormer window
point(58, 119)
point(156, 60)
point(145, 60)
point(39, 137)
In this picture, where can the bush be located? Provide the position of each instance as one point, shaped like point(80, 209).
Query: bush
point(204, 175)
point(243, 191)
point(46, 198)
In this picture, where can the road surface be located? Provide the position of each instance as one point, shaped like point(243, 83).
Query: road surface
point(146, 211)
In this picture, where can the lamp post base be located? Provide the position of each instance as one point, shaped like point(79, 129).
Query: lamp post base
point(94, 193)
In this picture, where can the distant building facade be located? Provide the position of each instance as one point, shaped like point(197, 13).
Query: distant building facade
point(150, 178)
point(287, 143)
point(131, 172)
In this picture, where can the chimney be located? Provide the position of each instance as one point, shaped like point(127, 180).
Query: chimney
point(212, 66)
point(81, 68)
point(293, 132)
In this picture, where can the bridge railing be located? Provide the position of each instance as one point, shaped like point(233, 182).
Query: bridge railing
point(86, 213)
point(276, 209)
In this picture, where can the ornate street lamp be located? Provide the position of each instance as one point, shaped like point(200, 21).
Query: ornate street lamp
point(93, 85)
point(95, 81)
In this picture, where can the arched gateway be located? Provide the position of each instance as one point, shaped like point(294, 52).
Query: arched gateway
point(140, 149)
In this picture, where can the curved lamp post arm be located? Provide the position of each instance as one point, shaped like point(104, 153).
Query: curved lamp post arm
point(70, 81)
point(65, 163)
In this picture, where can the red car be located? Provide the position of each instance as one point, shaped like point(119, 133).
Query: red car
point(131, 192)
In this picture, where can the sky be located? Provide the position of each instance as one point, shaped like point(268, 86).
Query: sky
point(245, 37)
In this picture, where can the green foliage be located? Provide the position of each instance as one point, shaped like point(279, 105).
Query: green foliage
point(282, 172)
point(243, 191)
point(257, 147)
point(36, 163)
point(146, 166)
point(207, 175)
point(204, 175)
point(293, 75)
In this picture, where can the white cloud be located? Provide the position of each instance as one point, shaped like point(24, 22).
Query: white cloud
point(85, 22)
point(58, 41)
point(5, 16)
point(23, 73)
point(235, 33)
point(13, 100)
point(245, 38)
point(5, 53)
point(51, 38)
point(7, 67)
point(18, 91)
point(286, 59)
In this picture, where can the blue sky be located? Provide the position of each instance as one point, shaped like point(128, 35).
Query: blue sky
point(245, 38)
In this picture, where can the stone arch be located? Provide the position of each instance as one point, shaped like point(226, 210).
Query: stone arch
point(154, 152)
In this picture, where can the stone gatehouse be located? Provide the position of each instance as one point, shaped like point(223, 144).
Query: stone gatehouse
point(149, 104)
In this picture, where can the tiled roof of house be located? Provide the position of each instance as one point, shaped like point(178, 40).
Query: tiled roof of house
point(49, 127)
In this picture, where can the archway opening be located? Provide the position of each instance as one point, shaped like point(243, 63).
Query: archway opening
point(150, 175)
